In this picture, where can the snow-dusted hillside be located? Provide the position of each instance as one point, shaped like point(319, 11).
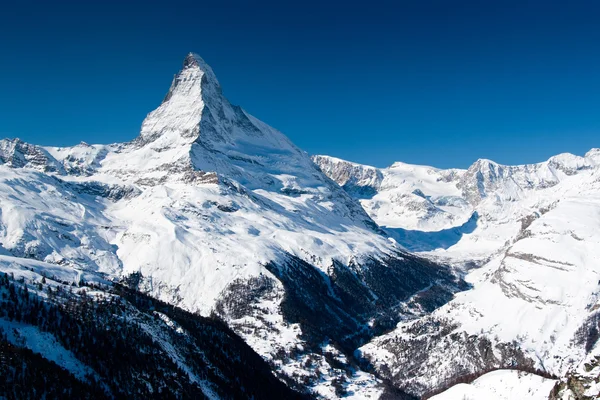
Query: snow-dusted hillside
point(66, 333)
point(527, 238)
point(220, 213)
point(501, 385)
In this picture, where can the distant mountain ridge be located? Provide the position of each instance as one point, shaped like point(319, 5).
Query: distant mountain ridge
point(525, 238)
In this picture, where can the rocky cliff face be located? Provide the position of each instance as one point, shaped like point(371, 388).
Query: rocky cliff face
point(18, 154)
point(582, 383)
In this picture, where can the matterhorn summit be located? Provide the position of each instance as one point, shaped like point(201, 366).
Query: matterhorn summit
point(343, 280)
point(216, 212)
point(194, 94)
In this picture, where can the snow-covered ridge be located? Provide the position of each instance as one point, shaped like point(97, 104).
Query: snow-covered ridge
point(593, 155)
point(348, 174)
point(424, 198)
point(246, 193)
point(501, 385)
point(403, 195)
point(219, 212)
point(18, 154)
point(533, 234)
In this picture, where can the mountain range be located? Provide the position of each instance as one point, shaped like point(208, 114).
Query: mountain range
point(316, 276)
point(525, 240)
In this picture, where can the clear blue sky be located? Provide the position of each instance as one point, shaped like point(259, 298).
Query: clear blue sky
point(431, 82)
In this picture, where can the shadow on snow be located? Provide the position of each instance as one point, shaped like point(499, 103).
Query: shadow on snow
point(415, 240)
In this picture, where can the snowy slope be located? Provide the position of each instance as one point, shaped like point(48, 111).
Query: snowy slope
point(217, 212)
point(103, 340)
point(223, 191)
point(533, 235)
point(501, 385)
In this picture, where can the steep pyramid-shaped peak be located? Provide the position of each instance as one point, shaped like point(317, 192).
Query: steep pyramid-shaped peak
point(197, 75)
point(194, 62)
point(197, 128)
point(178, 117)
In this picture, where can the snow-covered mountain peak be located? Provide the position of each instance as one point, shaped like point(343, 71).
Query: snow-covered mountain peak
point(405, 166)
point(593, 156)
point(569, 164)
point(18, 154)
point(484, 164)
point(177, 119)
point(193, 60)
point(197, 131)
point(484, 169)
point(203, 163)
point(508, 182)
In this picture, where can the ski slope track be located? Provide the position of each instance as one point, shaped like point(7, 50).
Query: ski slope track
point(526, 239)
point(214, 211)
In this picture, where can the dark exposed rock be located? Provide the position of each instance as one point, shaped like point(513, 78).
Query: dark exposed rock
point(588, 334)
point(137, 347)
point(465, 355)
point(578, 385)
point(110, 192)
point(18, 154)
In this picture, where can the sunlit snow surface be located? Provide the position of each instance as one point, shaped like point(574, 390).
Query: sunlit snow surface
point(205, 196)
point(534, 236)
point(501, 385)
